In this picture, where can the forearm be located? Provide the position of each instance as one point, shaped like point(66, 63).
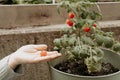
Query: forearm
point(6, 72)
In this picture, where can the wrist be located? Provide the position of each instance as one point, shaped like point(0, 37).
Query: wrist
point(13, 63)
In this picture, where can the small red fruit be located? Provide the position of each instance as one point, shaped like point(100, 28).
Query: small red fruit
point(69, 22)
point(86, 29)
point(43, 53)
point(94, 25)
point(71, 15)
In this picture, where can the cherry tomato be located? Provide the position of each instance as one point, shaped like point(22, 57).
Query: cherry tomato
point(87, 29)
point(69, 22)
point(94, 25)
point(43, 53)
point(71, 15)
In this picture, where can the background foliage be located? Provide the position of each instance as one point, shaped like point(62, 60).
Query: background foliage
point(42, 1)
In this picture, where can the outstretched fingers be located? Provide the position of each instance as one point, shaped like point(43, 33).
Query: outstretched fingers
point(50, 55)
point(33, 48)
point(40, 47)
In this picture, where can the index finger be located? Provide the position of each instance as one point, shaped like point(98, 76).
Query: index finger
point(40, 47)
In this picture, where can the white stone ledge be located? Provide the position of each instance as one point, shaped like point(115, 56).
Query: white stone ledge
point(52, 28)
point(106, 24)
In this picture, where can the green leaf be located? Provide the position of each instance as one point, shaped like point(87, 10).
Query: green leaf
point(92, 66)
point(87, 40)
point(57, 42)
point(72, 41)
point(92, 15)
point(75, 51)
point(108, 42)
point(98, 54)
point(109, 34)
point(64, 41)
point(116, 47)
point(66, 30)
point(63, 4)
point(84, 52)
point(84, 14)
point(80, 23)
point(56, 48)
point(99, 39)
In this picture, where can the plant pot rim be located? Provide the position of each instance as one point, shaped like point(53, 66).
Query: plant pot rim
point(80, 76)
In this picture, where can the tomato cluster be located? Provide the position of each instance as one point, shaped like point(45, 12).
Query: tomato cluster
point(87, 29)
point(71, 15)
point(70, 22)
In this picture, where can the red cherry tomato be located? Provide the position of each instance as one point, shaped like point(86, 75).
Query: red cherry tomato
point(87, 29)
point(43, 53)
point(69, 22)
point(94, 25)
point(71, 15)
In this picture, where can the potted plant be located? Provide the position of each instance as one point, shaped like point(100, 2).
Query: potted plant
point(88, 52)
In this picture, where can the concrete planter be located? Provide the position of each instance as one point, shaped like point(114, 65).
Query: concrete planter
point(17, 16)
point(110, 56)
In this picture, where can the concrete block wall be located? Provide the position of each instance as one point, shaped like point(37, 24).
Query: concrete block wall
point(17, 16)
point(12, 16)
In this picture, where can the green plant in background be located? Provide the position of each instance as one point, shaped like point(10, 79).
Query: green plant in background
point(35, 1)
point(39, 1)
point(93, 0)
point(25, 1)
point(8, 2)
point(84, 39)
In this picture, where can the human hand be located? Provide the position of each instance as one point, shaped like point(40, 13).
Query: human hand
point(31, 54)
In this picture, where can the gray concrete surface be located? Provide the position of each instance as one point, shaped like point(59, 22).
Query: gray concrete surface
point(12, 16)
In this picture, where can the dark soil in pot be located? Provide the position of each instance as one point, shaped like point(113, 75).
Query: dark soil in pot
point(78, 67)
